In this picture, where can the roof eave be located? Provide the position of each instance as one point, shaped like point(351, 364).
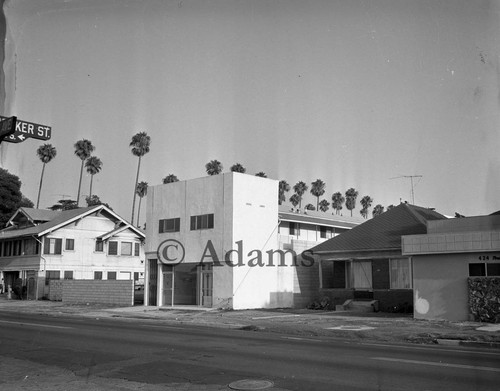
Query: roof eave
point(322, 252)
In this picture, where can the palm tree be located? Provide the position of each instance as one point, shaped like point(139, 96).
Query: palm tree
point(140, 146)
point(45, 153)
point(300, 188)
point(283, 187)
point(377, 210)
point(324, 205)
point(170, 178)
point(213, 167)
point(93, 165)
point(317, 190)
point(237, 167)
point(295, 199)
point(350, 199)
point(366, 202)
point(337, 200)
point(141, 190)
point(262, 174)
point(83, 149)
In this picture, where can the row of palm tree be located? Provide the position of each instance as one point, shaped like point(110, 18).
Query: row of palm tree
point(214, 167)
point(140, 145)
point(338, 199)
point(83, 149)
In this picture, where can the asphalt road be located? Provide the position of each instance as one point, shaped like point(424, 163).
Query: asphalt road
point(161, 354)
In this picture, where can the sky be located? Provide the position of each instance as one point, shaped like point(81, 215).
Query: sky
point(360, 94)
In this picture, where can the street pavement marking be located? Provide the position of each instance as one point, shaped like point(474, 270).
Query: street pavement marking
point(302, 339)
point(36, 324)
point(437, 364)
point(275, 316)
point(351, 328)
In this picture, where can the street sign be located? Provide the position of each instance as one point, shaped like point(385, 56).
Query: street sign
point(7, 127)
point(26, 130)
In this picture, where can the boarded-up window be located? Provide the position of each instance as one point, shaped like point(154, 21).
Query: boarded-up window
point(362, 274)
point(400, 274)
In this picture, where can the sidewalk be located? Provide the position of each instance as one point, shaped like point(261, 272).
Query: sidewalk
point(375, 327)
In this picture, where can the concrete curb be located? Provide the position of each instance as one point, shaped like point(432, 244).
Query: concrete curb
point(470, 344)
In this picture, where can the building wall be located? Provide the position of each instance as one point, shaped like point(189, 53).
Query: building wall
point(183, 199)
point(263, 284)
point(83, 261)
point(120, 293)
point(441, 262)
point(440, 286)
point(245, 211)
point(308, 232)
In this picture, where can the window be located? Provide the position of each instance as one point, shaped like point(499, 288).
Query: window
point(70, 244)
point(17, 245)
point(294, 228)
point(136, 276)
point(68, 275)
point(169, 225)
point(6, 249)
point(333, 274)
point(202, 222)
point(126, 248)
point(113, 248)
point(99, 246)
point(52, 246)
point(400, 274)
point(97, 275)
point(111, 275)
point(484, 269)
point(493, 269)
point(30, 247)
point(137, 248)
point(325, 232)
point(52, 275)
point(477, 269)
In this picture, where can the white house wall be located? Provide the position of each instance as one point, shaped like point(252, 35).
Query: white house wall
point(84, 260)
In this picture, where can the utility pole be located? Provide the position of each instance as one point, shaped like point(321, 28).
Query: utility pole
point(411, 181)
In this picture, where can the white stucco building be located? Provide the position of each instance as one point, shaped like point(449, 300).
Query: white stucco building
point(221, 241)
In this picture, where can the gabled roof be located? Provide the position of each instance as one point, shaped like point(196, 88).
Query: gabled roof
point(63, 218)
point(112, 233)
point(382, 232)
point(34, 216)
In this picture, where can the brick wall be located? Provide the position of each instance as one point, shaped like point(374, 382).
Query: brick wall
point(116, 292)
point(55, 290)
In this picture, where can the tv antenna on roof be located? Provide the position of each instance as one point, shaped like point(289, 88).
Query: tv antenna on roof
point(411, 181)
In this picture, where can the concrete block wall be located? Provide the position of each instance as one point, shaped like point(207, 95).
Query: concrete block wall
point(55, 290)
point(115, 292)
